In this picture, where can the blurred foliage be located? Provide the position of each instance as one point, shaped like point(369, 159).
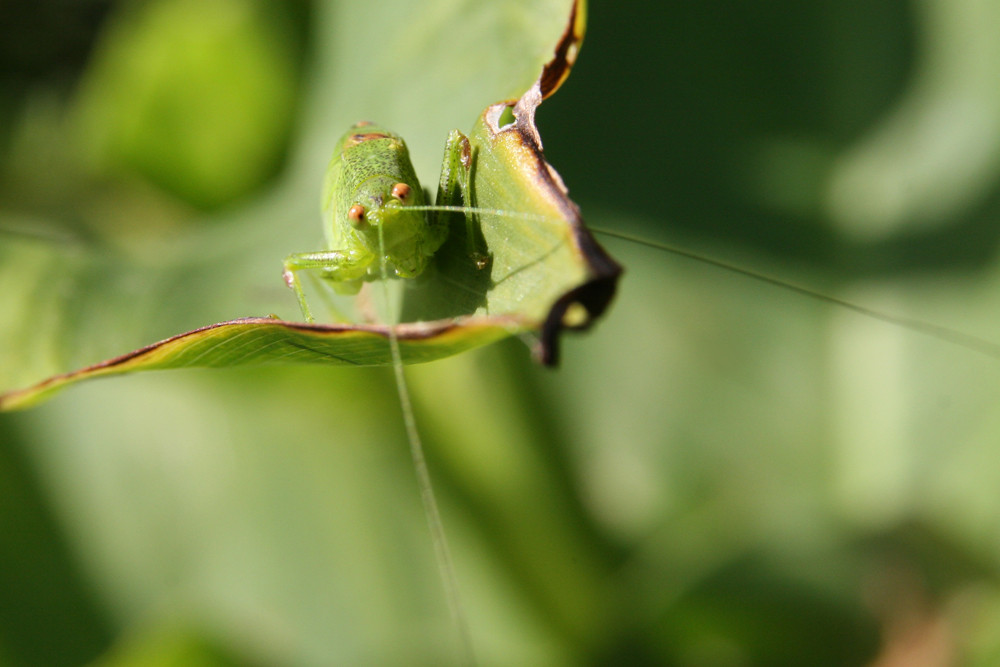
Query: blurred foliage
point(195, 98)
point(721, 473)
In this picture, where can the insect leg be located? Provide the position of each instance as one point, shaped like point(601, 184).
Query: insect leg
point(455, 189)
point(336, 265)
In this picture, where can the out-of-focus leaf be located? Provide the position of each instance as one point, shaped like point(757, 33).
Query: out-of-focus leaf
point(48, 614)
point(192, 96)
point(169, 646)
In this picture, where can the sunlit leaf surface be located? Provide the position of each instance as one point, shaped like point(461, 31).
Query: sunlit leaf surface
point(546, 272)
point(267, 341)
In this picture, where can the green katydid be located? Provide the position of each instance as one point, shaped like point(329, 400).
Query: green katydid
point(375, 215)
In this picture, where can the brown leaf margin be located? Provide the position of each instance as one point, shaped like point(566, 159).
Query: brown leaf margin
point(578, 308)
point(229, 344)
point(597, 292)
point(556, 70)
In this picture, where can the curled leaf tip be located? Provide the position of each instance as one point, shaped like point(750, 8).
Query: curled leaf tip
point(513, 174)
point(556, 70)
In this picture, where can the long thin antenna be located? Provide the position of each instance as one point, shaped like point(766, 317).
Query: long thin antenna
point(481, 211)
point(446, 566)
point(951, 336)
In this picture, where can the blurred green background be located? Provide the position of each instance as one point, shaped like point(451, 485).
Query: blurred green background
point(721, 473)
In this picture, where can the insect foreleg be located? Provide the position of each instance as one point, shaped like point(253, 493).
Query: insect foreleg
point(344, 268)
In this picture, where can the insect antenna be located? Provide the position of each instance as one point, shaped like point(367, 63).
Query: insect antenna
point(442, 553)
point(942, 333)
point(481, 211)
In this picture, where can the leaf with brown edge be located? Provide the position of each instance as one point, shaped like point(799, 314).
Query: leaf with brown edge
point(546, 274)
point(261, 340)
point(546, 267)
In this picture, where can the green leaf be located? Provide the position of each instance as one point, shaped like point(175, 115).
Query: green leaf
point(547, 272)
point(546, 267)
point(261, 341)
point(157, 99)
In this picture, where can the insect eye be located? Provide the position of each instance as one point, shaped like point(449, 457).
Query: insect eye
point(401, 191)
point(356, 214)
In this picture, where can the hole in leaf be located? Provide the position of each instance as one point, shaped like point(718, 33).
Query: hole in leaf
point(506, 117)
point(576, 315)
